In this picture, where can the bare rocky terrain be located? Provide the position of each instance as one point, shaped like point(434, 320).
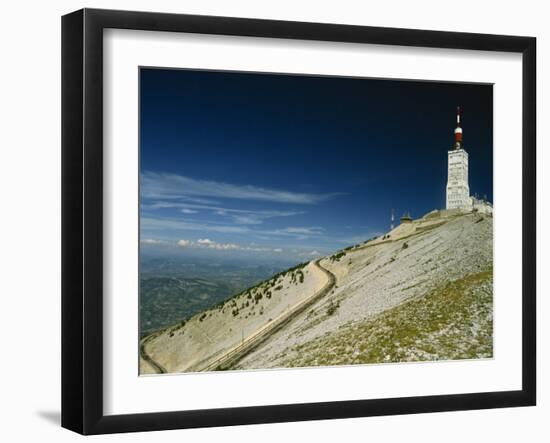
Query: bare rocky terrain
point(420, 292)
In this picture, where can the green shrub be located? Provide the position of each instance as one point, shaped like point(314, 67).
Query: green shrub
point(332, 307)
point(338, 256)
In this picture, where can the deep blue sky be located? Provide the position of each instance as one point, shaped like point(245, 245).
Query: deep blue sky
point(257, 163)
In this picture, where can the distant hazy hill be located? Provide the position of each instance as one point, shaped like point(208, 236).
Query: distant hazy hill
point(166, 300)
point(421, 292)
point(172, 291)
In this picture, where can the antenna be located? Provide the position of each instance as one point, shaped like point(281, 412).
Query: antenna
point(458, 129)
point(392, 219)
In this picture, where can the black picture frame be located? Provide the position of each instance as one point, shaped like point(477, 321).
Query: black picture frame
point(82, 218)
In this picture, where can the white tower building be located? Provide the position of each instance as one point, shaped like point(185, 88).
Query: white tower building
point(458, 191)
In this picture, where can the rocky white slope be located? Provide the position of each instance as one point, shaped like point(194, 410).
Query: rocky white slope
point(422, 291)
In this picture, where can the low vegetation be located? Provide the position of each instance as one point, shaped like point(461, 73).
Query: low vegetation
point(454, 321)
point(333, 307)
point(337, 256)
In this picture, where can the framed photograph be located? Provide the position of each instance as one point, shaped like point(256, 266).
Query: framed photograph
point(269, 221)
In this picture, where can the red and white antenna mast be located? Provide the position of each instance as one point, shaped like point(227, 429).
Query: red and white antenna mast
point(458, 129)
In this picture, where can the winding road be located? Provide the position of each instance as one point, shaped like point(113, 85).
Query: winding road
point(159, 369)
point(233, 355)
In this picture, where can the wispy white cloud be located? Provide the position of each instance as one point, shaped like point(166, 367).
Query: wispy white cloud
point(211, 244)
point(167, 186)
point(247, 220)
point(207, 243)
point(314, 253)
point(238, 216)
point(299, 233)
point(151, 241)
point(154, 224)
point(315, 230)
